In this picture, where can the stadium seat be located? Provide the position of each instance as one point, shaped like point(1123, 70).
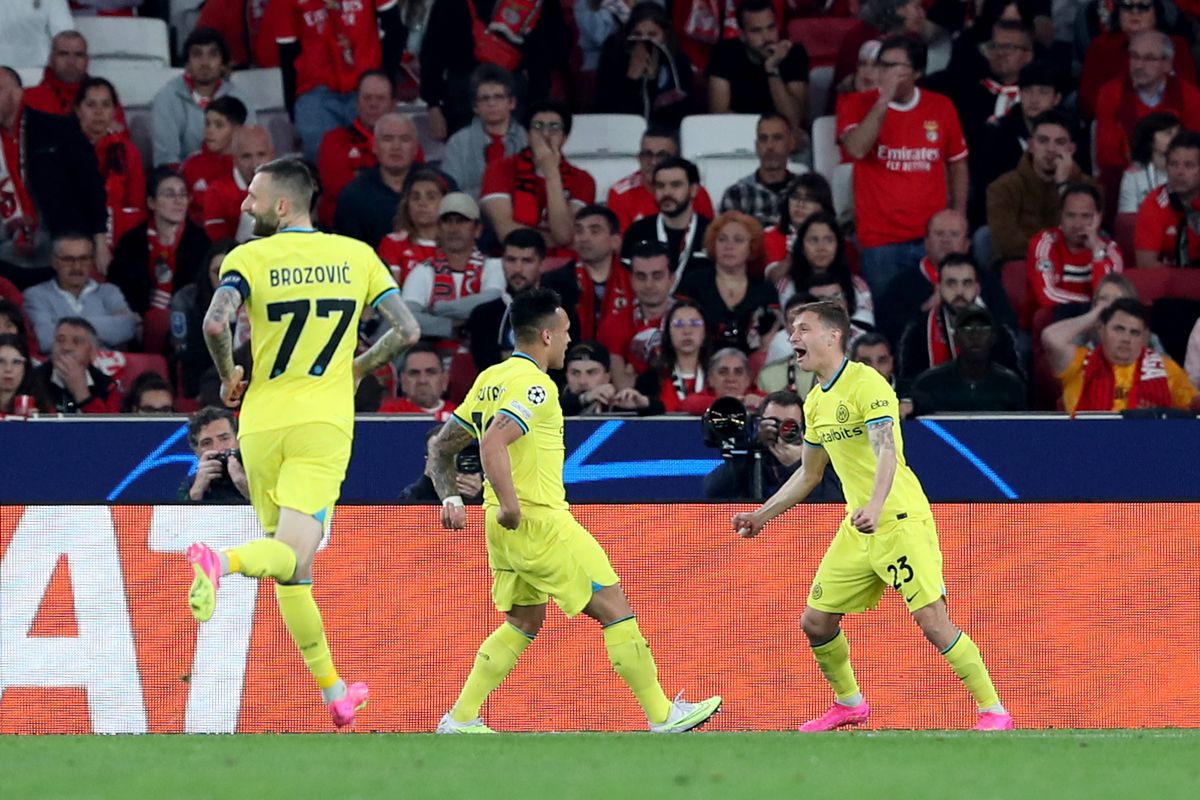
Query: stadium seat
point(126, 39)
point(264, 89)
point(820, 84)
point(1016, 286)
point(821, 37)
point(722, 147)
point(1123, 228)
point(1046, 391)
point(843, 192)
point(183, 15)
point(826, 154)
point(604, 135)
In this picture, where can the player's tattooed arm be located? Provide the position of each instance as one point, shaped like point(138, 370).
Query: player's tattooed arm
point(882, 438)
point(443, 447)
point(403, 334)
point(222, 311)
point(883, 442)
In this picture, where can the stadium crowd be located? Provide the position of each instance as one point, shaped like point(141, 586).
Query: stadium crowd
point(1011, 213)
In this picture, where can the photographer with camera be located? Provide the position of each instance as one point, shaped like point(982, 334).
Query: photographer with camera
point(761, 453)
point(468, 477)
point(219, 476)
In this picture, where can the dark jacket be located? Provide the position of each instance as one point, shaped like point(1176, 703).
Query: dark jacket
point(366, 208)
point(914, 351)
point(130, 269)
point(104, 399)
point(732, 481)
point(483, 329)
point(62, 174)
point(663, 100)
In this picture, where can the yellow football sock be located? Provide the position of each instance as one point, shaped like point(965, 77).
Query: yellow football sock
point(630, 656)
point(303, 620)
point(263, 558)
point(964, 657)
point(833, 657)
point(496, 657)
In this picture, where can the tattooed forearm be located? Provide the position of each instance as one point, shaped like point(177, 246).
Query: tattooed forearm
point(882, 439)
point(403, 334)
point(221, 313)
point(443, 447)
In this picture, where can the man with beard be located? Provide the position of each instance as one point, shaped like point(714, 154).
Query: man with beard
point(489, 327)
point(304, 293)
point(677, 226)
point(929, 340)
point(1066, 264)
point(632, 197)
point(595, 287)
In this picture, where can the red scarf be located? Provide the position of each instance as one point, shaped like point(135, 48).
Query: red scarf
point(511, 22)
point(937, 338)
point(1150, 387)
point(361, 135)
point(1127, 107)
point(1006, 97)
point(61, 92)
point(199, 99)
point(525, 193)
point(18, 213)
point(618, 294)
point(495, 149)
point(162, 267)
point(930, 271)
point(443, 277)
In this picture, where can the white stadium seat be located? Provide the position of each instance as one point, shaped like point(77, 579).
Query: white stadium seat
point(604, 135)
point(30, 76)
point(820, 82)
point(825, 151)
point(722, 148)
point(183, 15)
point(843, 192)
point(264, 89)
point(125, 39)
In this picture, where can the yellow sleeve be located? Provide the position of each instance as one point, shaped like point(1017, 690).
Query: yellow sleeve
point(529, 399)
point(379, 278)
point(810, 409)
point(1182, 390)
point(876, 399)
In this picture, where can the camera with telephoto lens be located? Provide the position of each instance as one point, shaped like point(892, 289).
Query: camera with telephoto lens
point(467, 462)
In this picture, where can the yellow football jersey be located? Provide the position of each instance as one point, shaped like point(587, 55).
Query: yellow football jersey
point(304, 292)
point(519, 388)
point(836, 416)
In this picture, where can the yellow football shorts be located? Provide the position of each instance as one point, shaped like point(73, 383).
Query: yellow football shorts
point(301, 468)
point(549, 555)
point(857, 567)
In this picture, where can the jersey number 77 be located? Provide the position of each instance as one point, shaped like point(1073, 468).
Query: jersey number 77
point(299, 311)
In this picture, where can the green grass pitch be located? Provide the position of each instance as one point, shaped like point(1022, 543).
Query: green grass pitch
point(1040, 765)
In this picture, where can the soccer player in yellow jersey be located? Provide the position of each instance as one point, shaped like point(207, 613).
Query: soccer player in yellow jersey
point(304, 292)
point(536, 549)
point(888, 537)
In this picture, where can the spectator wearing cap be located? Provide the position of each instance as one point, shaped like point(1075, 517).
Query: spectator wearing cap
point(493, 134)
point(1121, 371)
point(1006, 139)
point(178, 109)
point(1148, 153)
point(223, 214)
point(214, 160)
point(763, 194)
point(677, 226)
point(972, 380)
point(367, 206)
point(1065, 264)
point(73, 293)
point(65, 73)
point(423, 381)
point(538, 188)
point(324, 49)
point(348, 149)
point(760, 72)
point(53, 185)
point(97, 108)
point(589, 389)
point(633, 338)
point(444, 290)
point(1026, 200)
point(1147, 86)
point(73, 384)
point(632, 197)
point(1163, 233)
point(910, 162)
point(26, 28)
point(596, 285)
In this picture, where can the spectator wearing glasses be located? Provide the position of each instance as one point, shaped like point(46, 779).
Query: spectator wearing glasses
point(348, 149)
point(149, 394)
point(810, 193)
point(632, 197)
point(972, 380)
point(73, 384)
point(538, 188)
point(493, 134)
point(986, 101)
point(18, 379)
point(74, 294)
point(677, 226)
point(1108, 55)
point(643, 71)
point(1148, 86)
point(910, 162)
point(677, 381)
